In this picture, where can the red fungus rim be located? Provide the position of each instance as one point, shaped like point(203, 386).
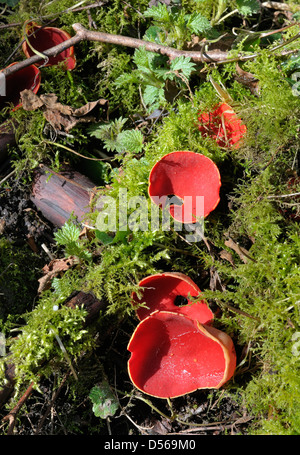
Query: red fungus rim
point(153, 340)
point(189, 175)
point(211, 124)
point(69, 60)
point(36, 76)
point(161, 290)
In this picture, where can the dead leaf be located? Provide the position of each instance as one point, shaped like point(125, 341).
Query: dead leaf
point(242, 252)
point(248, 80)
point(215, 283)
point(224, 254)
point(30, 101)
point(53, 269)
point(60, 116)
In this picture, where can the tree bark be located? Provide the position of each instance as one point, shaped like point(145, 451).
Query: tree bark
point(58, 195)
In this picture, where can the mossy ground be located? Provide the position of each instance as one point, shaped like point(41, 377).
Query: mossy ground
point(255, 296)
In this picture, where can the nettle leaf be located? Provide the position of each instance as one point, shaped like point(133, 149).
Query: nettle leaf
point(158, 13)
point(67, 234)
point(248, 7)
point(183, 64)
point(104, 401)
point(131, 140)
point(197, 23)
point(153, 96)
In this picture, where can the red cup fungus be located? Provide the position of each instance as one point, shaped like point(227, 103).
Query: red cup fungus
point(173, 355)
point(223, 125)
point(26, 78)
point(43, 38)
point(170, 291)
point(192, 177)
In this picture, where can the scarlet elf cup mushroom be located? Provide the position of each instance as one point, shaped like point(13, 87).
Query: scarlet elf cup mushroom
point(42, 38)
point(26, 78)
point(171, 291)
point(222, 125)
point(173, 355)
point(192, 177)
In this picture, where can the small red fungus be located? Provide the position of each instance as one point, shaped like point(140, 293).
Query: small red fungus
point(43, 38)
point(169, 291)
point(222, 125)
point(26, 78)
point(172, 355)
point(190, 176)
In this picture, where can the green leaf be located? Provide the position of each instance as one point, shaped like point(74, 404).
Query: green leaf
point(67, 234)
point(183, 64)
point(153, 96)
point(248, 7)
point(152, 34)
point(197, 23)
point(104, 401)
point(158, 13)
point(131, 141)
point(104, 238)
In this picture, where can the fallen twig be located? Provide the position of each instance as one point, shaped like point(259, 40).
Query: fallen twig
point(214, 56)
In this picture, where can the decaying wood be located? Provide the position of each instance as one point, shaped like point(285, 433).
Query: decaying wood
point(58, 195)
point(92, 305)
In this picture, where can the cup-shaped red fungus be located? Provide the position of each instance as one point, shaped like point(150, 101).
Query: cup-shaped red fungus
point(223, 125)
point(26, 78)
point(43, 38)
point(193, 178)
point(170, 291)
point(172, 355)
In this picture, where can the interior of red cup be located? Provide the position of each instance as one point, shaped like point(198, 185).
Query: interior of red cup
point(193, 178)
point(171, 355)
point(171, 292)
point(45, 38)
point(26, 78)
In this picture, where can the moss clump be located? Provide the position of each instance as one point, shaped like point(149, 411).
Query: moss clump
point(18, 284)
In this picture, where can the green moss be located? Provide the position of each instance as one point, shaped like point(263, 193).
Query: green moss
point(18, 284)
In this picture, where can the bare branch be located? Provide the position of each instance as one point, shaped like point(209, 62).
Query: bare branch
point(214, 56)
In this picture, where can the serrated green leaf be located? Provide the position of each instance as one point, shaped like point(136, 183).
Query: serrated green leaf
point(183, 64)
point(153, 96)
point(104, 401)
point(248, 7)
point(67, 234)
point(131, 140)
point(197, 23)
point(158, 13)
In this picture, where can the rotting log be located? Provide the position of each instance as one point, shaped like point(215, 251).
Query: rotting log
point(78, 299)
point(58, 195)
